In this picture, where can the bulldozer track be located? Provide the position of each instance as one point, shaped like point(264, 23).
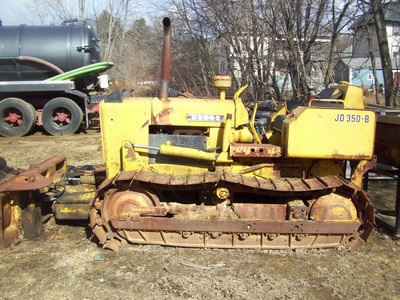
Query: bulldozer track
point(155, 225)
point(291, 185)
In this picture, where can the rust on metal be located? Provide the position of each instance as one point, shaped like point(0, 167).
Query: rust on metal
point(294, 185)
point(238, 226)
point(37, 176)
point(255, 150)
point(260, 211)
point(132, 203)
point(75, 202)
point(333, 207)
point(166, 59)
point(387, 141)
point(291, 223)
point(297, 210)
point(361, 169)
point(18, 209)
point(231, 240)
point(163, 117)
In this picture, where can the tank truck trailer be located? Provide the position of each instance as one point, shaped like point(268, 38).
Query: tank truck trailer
point(195, 172)
point(49, 77)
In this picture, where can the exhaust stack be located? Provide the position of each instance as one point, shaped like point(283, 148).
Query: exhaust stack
point(166, 59)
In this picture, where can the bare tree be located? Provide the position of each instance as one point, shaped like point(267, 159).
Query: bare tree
point(339, 19)
point(109, 27)
point(377, 7)
point(374, 17)
point(193, 60)
point(371, 46)
point(266, 43)
point(56, 11)
point(297, 26)
point(232, 27)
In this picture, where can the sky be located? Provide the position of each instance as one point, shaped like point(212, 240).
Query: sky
point(9, 12)
point(14, 12)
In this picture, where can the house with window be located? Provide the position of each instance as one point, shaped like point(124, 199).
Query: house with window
point(356, 66)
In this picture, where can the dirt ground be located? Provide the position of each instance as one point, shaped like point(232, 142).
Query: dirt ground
point(65, 263)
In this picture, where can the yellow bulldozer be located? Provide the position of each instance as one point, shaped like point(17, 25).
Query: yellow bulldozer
point(196, 173)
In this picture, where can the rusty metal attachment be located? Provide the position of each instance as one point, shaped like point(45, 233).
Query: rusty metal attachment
point(21, 196)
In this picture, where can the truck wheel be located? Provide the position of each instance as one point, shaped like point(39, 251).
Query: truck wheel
point(61, 116)
point(17, 117)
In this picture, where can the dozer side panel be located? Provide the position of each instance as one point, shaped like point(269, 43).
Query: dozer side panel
point(328, 133)
point(125, 121)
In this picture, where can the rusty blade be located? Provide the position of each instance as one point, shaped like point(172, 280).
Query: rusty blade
point(37, 176)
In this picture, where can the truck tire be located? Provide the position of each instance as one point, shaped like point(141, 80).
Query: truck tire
point(61, 116)
point(17, 117)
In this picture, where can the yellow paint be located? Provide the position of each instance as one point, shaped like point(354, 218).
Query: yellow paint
point(129, 123)
point(329, 133)
point(68, 209)
point(252, 127)
point(333, 207)
point(353, 96)
point(324, 167)
point(169, 149)
point(131, 160)
point(314, 140)
point(227, 135)
point(241, 114)
point(266, 173)
point(242, 135)
point(222, 83)
point(272, 134)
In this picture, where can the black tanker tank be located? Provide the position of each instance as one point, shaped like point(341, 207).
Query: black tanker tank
point(40, 52)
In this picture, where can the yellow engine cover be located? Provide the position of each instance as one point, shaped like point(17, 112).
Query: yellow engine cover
point(127, 123)
point(329, 133)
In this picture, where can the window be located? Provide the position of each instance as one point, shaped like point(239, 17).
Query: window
point(395, 51)
point(369, 77)
point(396, 29)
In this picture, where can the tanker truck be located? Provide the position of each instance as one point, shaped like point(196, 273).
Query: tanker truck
point(50, 76)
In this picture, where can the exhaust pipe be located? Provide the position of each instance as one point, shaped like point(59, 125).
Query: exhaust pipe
point(166, 59)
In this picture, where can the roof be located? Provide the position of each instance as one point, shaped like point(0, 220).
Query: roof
point(357, 63)
point(364, 63)
point(391, 12)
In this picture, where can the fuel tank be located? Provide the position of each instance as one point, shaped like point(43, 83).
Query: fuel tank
point(71, 45)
